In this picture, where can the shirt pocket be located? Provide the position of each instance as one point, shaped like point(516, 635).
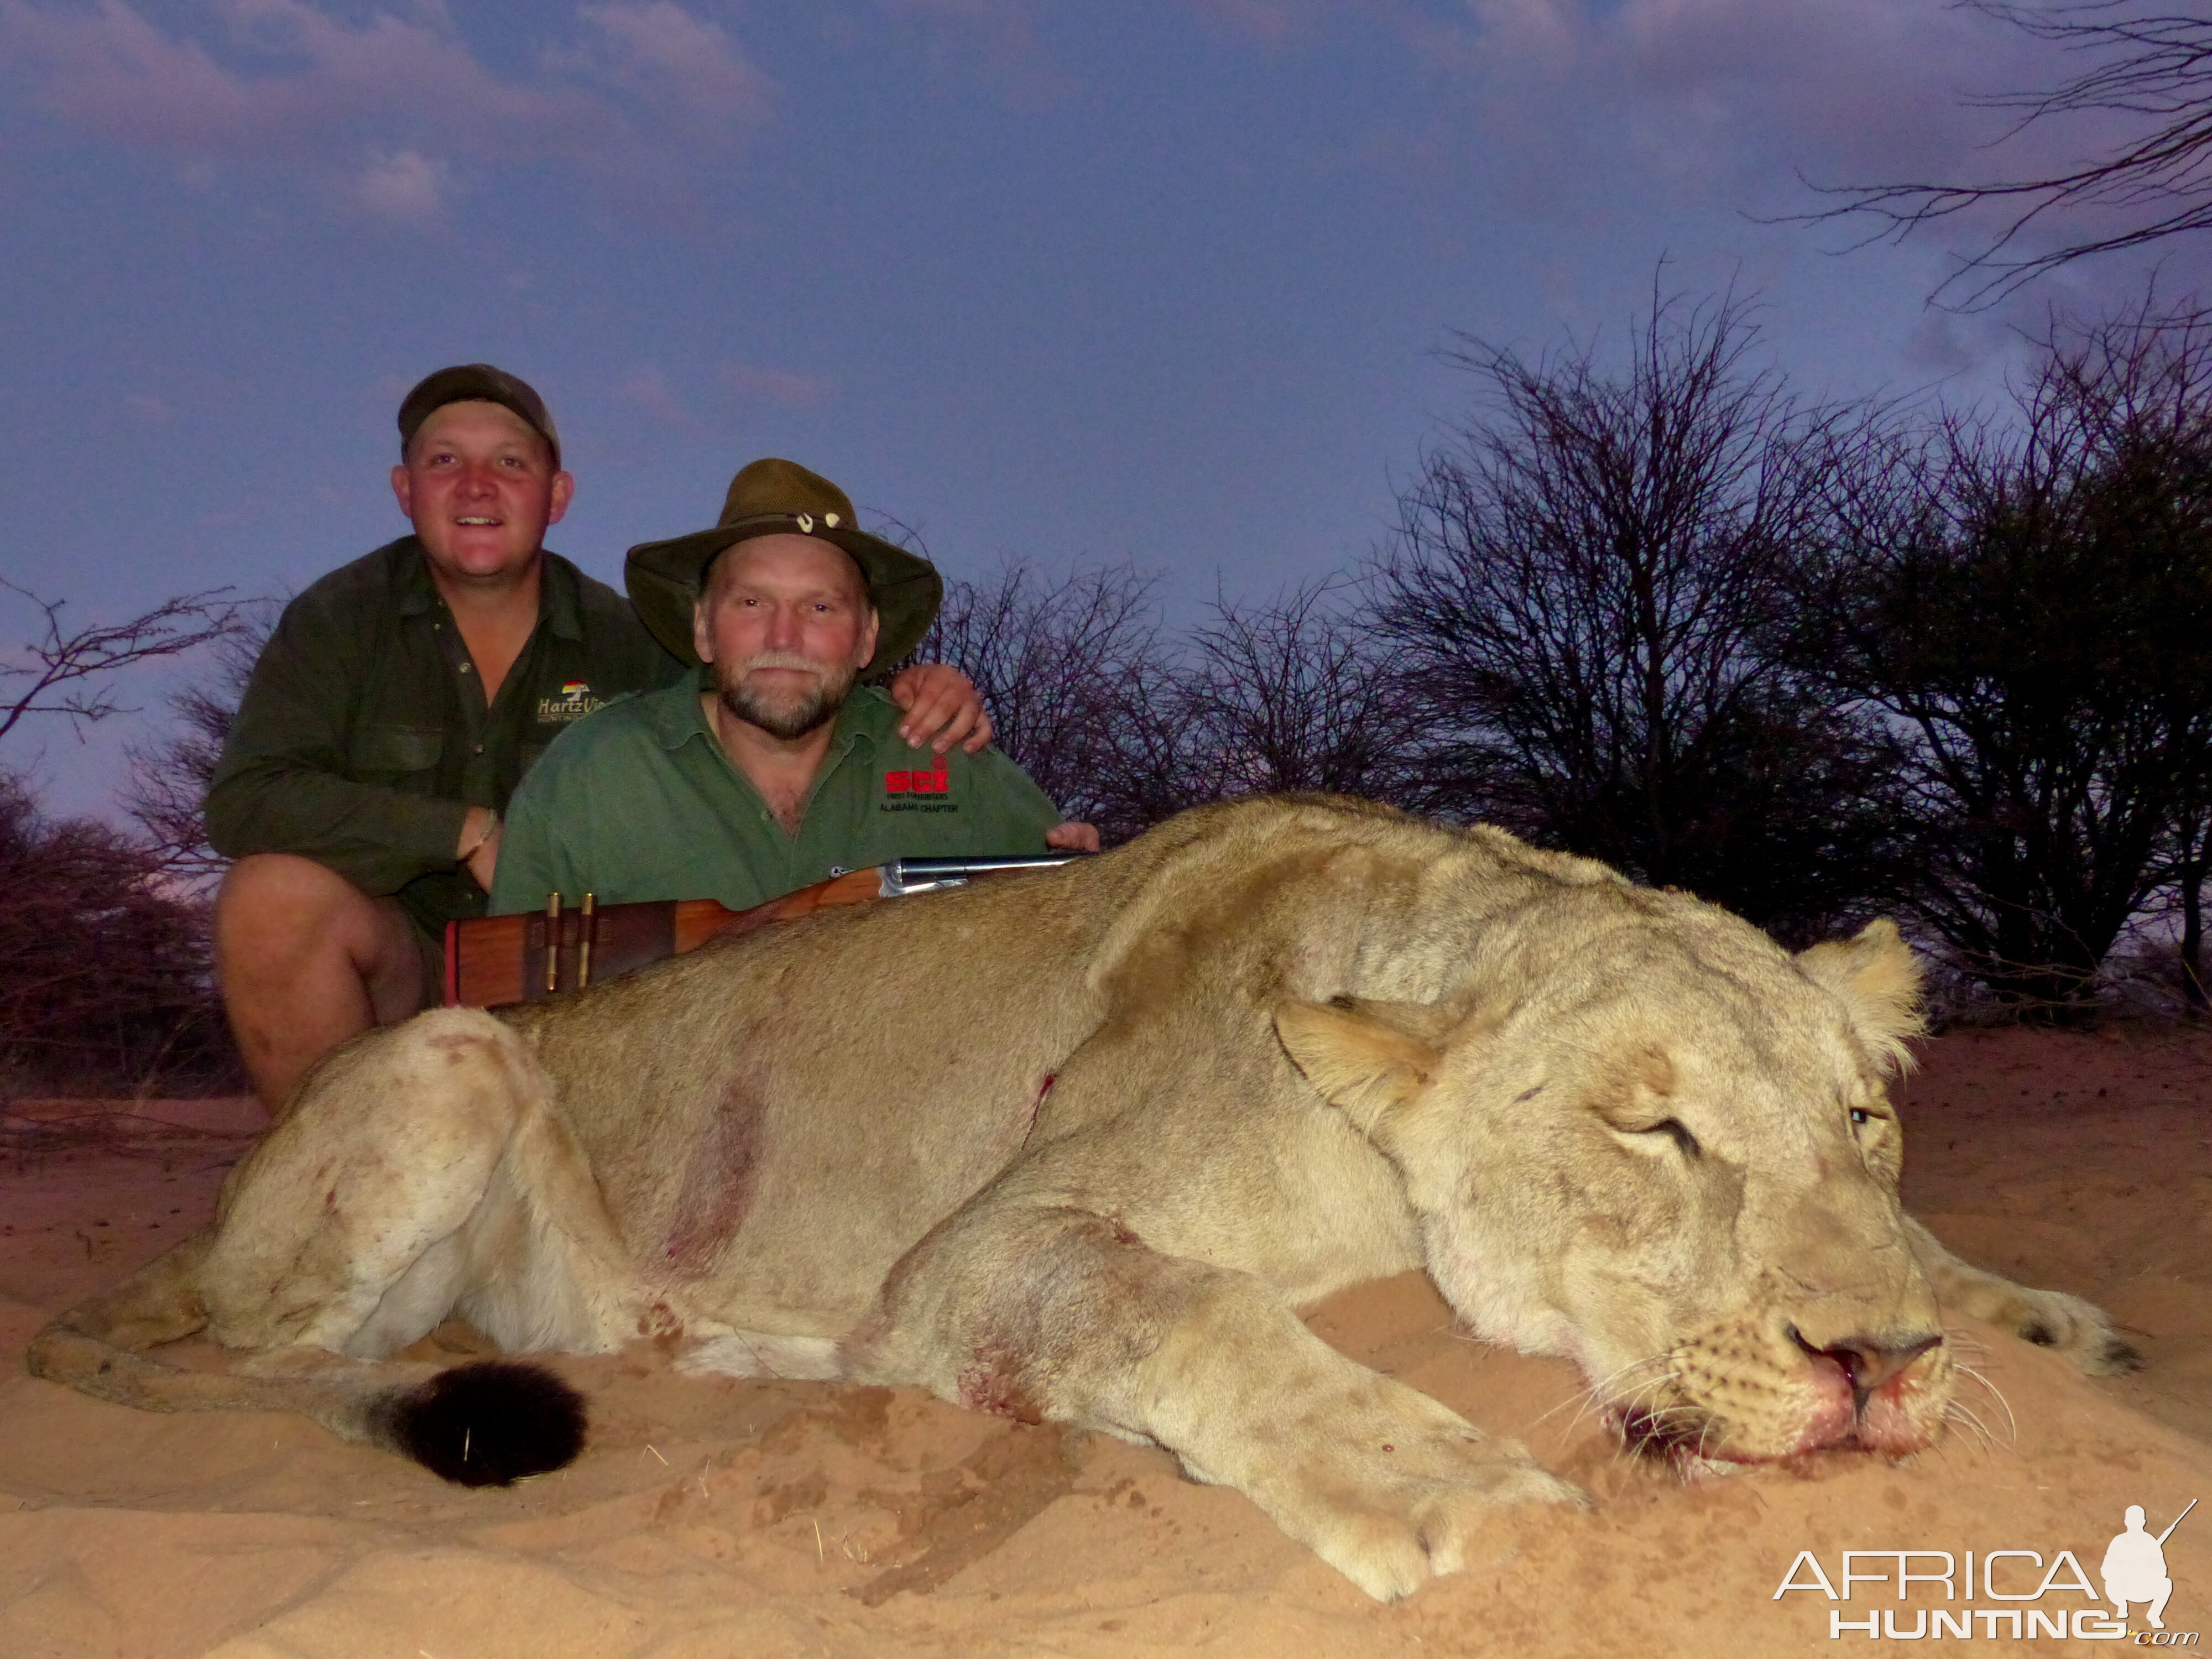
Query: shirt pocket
point(396, 753)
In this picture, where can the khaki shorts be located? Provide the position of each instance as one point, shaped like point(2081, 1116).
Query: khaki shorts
point(429, 950)
point(434, 966)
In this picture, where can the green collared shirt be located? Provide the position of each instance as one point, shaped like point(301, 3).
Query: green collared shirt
point(641, 801)
point(363, 737)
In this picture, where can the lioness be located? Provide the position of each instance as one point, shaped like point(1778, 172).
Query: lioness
point(1074, 1145)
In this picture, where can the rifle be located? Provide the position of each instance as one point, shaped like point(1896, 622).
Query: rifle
point(2178, 1520)
point(493, 960)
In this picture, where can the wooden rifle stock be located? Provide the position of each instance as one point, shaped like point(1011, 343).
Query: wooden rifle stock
point(493, 960)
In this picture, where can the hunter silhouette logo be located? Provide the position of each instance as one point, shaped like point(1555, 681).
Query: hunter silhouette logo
point(2135, 1566)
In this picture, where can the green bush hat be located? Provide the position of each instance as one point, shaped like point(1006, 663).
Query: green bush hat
point(778, 498)
point(470, 383)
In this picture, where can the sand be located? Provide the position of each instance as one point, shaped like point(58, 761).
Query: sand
point(714, 1517)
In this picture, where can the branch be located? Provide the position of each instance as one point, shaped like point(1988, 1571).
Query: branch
point(60, 670)
point(2160, 67)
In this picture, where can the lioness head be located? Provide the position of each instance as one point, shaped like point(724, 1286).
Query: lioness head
point(1658, 1145)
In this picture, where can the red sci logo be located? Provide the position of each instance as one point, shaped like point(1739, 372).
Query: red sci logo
point(917, 782)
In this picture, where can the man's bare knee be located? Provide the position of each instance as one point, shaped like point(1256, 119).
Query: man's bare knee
point(278, 884)
point(273, 903)
point(276, 914)
point(306, 960)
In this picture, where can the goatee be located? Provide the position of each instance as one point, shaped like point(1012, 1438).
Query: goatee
point(793, 715)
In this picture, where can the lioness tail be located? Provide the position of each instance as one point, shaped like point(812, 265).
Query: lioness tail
point(481, 1424)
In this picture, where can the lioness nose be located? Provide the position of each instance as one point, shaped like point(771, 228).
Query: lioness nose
point(1869, 1361)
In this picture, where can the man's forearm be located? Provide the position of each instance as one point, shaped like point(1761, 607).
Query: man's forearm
point(378, 839)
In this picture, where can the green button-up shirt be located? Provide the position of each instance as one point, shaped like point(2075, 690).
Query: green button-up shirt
point(641, 801)
point(364, 737)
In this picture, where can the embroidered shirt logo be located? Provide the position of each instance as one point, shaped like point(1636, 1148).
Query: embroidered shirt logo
point(574, 701)
point(918, 791)
point(918, 783)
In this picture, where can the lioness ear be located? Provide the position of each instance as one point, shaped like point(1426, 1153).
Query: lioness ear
point(1878, 977)
point(1358, 1061)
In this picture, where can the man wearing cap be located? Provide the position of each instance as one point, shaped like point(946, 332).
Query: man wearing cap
point(395, 708)
point(770, 769)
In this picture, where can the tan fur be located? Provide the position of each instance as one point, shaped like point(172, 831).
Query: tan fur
point(1073, 1146)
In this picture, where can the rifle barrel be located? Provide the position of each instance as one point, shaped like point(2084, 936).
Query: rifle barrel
point(2178, 1520)
point(903, 876)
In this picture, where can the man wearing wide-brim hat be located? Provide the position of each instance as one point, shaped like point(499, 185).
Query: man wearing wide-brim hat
point(773, 766)
point(397, 702)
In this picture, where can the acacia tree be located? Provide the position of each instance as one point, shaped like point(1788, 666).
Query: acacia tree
point(2150, 67)
point(2031, 613)
point(1588, 585)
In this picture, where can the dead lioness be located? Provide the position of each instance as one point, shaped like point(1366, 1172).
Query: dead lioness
point(1075, 1145)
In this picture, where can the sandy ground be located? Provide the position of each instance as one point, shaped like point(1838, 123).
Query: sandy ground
point(723, 1519)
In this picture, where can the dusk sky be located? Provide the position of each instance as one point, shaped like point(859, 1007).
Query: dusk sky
point(1159, 281)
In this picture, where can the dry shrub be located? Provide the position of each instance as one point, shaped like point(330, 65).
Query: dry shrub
point(105, 980)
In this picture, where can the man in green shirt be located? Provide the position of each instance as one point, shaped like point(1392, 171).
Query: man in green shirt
point(397, 705)
point(767, 770)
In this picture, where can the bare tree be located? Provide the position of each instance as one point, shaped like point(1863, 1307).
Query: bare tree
point(70, 672)
point(2153, 65)
point(1082, 689)
point(166, 790)
point(2033, 615)
point(1588, 585)
point(105, 975)
point(1296, 694)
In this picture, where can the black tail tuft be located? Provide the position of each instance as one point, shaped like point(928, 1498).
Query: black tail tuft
point(489, 1424)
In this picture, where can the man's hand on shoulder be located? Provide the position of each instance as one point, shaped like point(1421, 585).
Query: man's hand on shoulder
point(478, 849)
point(1072, 837)
point(942, 707)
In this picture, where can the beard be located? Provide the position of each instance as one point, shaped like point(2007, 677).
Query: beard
point(787, 715)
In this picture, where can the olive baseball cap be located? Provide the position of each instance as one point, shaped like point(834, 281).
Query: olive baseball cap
point(466, 383)
point(773, 497)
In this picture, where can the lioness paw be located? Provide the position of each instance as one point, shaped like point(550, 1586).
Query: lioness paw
point(2050, 1319)
point(1391, 1514)
point(2080, 1330)
point(1417, 1531)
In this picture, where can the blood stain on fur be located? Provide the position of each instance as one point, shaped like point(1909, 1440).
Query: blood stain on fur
point(994, 1383)
point(660, 1324)
point(717, 1188)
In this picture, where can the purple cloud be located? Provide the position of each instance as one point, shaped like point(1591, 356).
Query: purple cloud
point(1000, 37)
point(391, 104)
point(783, 388)
point(404, 185)
point(648, 389)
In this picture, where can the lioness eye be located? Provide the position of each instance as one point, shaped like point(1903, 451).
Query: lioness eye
point(1680, 1131)
point(1861, 1117)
